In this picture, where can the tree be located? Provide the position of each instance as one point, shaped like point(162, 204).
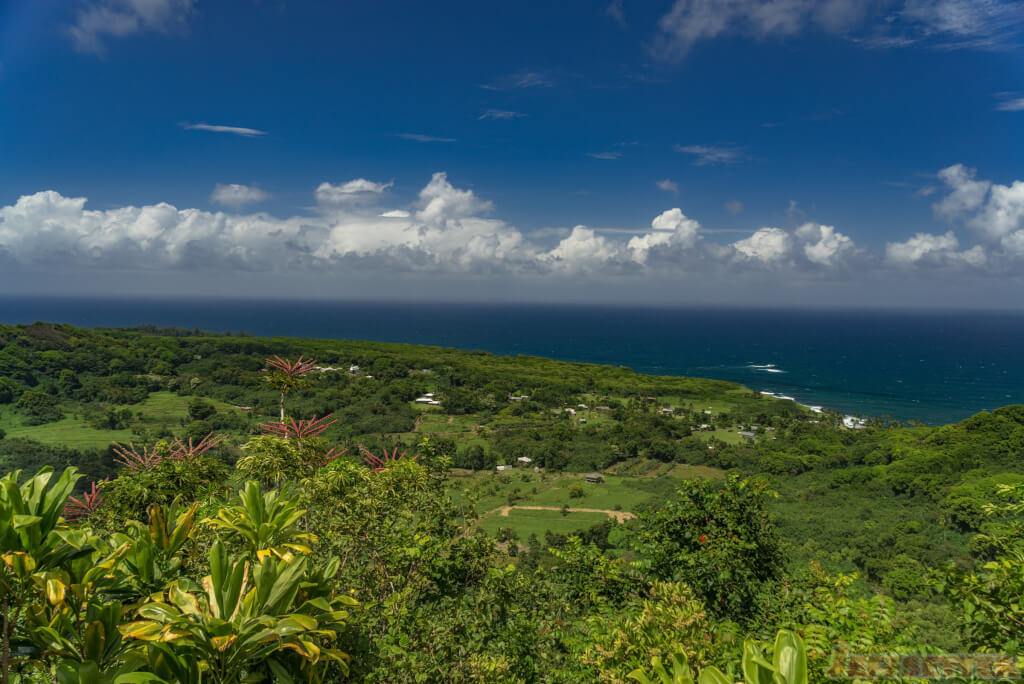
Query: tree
point(718, 538)
point(38, 407)
point(287, 375)
point(990, 609)
point(199, 409)
point(9, 389)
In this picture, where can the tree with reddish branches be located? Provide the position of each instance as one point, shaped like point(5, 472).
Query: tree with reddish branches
point(180, 451)
point(150, 457)
point(377, 463)
point(286, 375)
point(131, 458)
point(331, 455)
point(298, 429)
point(78, 509)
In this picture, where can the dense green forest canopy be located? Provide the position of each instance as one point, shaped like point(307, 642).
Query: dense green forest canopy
point(461, 516)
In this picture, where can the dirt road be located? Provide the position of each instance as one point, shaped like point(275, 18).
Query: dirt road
point(620, 516)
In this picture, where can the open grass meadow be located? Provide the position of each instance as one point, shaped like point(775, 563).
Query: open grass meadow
point(527, 522)
point(70, 431)
point(159, 409)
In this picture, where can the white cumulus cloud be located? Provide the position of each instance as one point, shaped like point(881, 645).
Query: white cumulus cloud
point(582, 251)
point(822, 244)
point(452, 230)
point(933, 249)
point(766, 245)
point(995, 212)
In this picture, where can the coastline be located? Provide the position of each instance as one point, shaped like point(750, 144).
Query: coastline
point(933, 368)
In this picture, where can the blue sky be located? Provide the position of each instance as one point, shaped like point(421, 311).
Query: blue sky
point(762, 151)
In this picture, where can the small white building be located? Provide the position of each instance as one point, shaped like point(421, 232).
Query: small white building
point(353, 369)
point(524, 460)
point(503, 467)
point(854, 423)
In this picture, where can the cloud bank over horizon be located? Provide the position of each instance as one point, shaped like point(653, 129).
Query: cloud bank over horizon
point(452, 232)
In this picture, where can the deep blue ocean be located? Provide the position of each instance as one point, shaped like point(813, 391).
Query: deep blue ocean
point(927, 366)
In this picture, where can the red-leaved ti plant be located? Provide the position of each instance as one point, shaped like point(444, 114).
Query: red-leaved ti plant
point(180, 451)
point(298, 429)
point(378, 464)
point(132, 459)
point(291, 368)
point(79, 509)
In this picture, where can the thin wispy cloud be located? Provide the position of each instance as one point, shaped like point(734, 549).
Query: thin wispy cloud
point(520, 80)
point(615, 12)
point(236, 196)
point(668, 186)
point(826, 115)
point(936, 24)
point(99, 20)
point(604, 155)
point(500, 114)
point(1010, 102)
point(356, 190)
point(233, 130)
point(419, 137)
point(705, 155)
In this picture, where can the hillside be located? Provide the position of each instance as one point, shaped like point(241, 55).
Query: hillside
point(893, 505)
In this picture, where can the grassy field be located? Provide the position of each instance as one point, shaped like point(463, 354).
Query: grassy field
point(70, 431)
point(160, 408)
point(526, 523)
point(727, 436)
point(636, 484)
point(615, 493)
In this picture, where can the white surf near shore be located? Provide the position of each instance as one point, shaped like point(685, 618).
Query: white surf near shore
point(765, 367)
point(786, 397)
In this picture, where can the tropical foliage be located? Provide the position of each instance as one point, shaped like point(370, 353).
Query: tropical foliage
point(296, 522)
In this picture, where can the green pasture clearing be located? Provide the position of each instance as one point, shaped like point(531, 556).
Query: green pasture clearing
point(160, 408)
point(526, 522)
point(684, 471)
point(626, 493)
point(727, 436)
point(69, 431)
point(168, 408)
point(439, 422)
